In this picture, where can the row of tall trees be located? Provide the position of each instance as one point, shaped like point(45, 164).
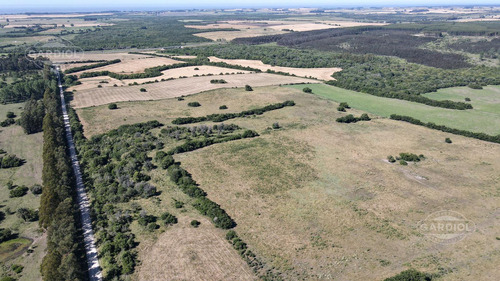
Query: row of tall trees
point(58, 212)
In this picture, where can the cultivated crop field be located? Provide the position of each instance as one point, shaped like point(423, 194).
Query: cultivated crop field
point(176, 88)
point(134, 65)
point(485, 117)
point(317, 73)
point(305, 195)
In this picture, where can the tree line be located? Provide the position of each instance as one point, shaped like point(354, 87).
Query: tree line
point(90, 66)
point(65, 258)
point(226, 116)
point(479, 136)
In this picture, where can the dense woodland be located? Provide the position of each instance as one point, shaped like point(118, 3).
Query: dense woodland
point(140, 32)
point(367, 40)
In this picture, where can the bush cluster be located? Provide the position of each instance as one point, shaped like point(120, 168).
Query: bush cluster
point(351, 119)
point(227, 116)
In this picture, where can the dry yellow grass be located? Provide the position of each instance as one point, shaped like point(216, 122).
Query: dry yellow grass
point(230, 35)
point(176, 88)
point(317, 199)
point(318, 73)
point(187, 253)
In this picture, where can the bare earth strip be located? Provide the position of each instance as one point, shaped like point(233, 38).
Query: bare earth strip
point(318, 73)
point(177, 88)
point(187, 253)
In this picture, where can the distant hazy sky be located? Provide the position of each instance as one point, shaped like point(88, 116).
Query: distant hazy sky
point(94, 5)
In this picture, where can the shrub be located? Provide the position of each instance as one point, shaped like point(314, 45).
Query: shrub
point(168, 218)
point(307, 90)
point(403, 162)
point(11, 114)
point(223, 107)
point(391, 159)
point(410, 157)
point(17, 268)
point(364, 117)
point(6, 234)
point(467, 99)
point(180, 98)
point(10, 161)
point(19, 191)
point(195, 223)
point(231, 234)
point(112, 106)
point(248, 88)
point(167, 161)
point(194, 104)
point(448, 140)
point(218, 81)
point(36, 189)
point(143, 90)
point(7, 278)
point(99, 86)
point(276, 126)
point(347, 119)
point(340, 108)
point(475, 86)
point(178, 204)
point(27, 214)
point(411, 275)
point(10, 184)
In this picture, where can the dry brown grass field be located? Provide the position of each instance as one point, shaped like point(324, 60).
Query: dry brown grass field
point(317, 199)
point(176, 88)
point(318, 73)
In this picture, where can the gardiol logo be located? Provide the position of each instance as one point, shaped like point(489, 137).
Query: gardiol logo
point(57, 49)
point(446, 227)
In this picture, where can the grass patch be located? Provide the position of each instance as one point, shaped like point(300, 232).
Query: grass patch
point(13, 248)
point(484, 118)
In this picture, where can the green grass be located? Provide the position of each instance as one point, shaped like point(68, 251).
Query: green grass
point(485, 117)
point(13, 248)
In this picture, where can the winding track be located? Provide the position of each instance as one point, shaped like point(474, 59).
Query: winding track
point(94, 269)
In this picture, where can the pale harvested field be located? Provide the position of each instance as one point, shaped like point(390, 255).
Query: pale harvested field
point(133, 65)
point(177, 88)
point(93, 82)
point(187, 253)
point(318, 73)
point(57, 58)
point(230, 35)
point(317, 199)
point(184, 57)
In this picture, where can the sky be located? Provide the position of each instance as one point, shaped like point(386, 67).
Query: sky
point(124, 5)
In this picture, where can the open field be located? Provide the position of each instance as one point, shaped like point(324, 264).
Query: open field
point(304, 196)
point(92, 83)
point(187, 253)
point(318, 73)
point(230, 35)
point(177, 88)
point(485, 117)
point(28, 147)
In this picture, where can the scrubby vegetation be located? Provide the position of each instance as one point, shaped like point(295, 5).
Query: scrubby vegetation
point(227, 116)
point(91, 66)
point(480, 136)
point(218, 81)
point(194, 104)
point(411, 274)
point(351, 119)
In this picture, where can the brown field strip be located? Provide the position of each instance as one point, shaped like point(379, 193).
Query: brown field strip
point(177, 88)
point(318, 73)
